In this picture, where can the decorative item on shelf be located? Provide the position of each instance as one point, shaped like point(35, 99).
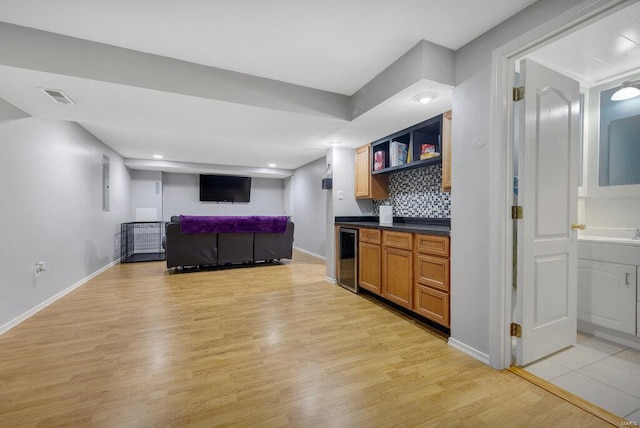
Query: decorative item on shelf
point(428, 151)
point(378, 160)
point(398, 153)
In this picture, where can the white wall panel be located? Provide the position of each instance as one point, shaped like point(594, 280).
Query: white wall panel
point(146, 193)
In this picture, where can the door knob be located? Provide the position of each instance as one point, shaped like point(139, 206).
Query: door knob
point(576, 226)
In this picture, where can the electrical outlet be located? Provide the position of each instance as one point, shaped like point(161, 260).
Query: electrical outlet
point(39, 268)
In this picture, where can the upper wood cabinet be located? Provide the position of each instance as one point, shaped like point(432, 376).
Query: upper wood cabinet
point(446, 151)
point(366, 185)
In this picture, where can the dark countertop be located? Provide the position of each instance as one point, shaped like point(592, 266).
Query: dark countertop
point(440, 227)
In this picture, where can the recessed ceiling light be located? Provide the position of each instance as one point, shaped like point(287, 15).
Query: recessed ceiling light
point(334, 143)
point(272, 165)
point(157, 156)
point(425, 97)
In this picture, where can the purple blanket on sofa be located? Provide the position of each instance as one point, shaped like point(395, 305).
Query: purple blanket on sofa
point(219, 224)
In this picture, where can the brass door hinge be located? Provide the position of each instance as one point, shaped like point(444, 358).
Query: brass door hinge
point(518, 93)
point(516, 212)
point(516, 330)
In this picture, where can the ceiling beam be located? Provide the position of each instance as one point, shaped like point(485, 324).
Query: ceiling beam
point(10, 112)
point(204, 168)
point(28, 48)
point(425, 60)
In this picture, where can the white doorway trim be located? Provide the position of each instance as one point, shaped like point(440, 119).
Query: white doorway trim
point(501, 162)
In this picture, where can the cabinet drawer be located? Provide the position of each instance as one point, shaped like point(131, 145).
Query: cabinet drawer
point(432, 271)
point(401, 240)
point(371, 236)
point(431, 244)
point(432, 304)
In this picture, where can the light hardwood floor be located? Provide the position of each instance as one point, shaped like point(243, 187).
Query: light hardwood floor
point(267, 346)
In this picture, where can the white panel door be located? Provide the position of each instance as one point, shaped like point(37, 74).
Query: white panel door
point(548, 193)
point(607, 295)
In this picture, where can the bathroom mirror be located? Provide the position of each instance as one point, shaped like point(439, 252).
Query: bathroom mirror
point(619, 154)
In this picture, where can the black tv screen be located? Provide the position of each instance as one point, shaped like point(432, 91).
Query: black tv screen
point(225, 188)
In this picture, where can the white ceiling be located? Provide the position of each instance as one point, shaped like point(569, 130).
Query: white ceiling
point(333, 46)
point(605, 50)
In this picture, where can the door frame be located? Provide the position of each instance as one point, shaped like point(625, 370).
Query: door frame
point(501, 176)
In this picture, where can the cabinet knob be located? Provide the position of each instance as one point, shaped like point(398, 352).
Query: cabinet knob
point(576, 226)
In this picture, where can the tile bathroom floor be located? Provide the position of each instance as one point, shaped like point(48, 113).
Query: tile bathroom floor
point(602, 372)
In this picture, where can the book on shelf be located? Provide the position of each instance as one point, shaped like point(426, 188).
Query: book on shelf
point(398, 153)
point(378, 160)
point(428, 151)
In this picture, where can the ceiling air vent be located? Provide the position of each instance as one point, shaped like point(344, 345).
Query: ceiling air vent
point(58, 96)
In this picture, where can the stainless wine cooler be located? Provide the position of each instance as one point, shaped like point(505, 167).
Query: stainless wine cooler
point(348, 259)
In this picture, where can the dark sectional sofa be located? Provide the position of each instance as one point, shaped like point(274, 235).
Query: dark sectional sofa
point(211, 249)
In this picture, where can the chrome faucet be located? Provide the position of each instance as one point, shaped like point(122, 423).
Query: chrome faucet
point(637, 234)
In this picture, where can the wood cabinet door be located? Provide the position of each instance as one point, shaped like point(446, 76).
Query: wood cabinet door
point(432, 304)
point(432, 271)
point(397, 276)
point(446, 151)
point(363, 172)
point(369, 267)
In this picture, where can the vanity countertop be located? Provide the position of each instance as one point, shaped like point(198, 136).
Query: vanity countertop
point(608, 240)
point(610, 250)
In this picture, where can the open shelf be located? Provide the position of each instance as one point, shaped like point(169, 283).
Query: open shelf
point(428, 132)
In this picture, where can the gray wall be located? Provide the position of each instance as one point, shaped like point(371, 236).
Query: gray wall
point(146, 192)
point(181, 195)
point(51, 183)
point(344, 171)
point(472, 145)
point(308, 201)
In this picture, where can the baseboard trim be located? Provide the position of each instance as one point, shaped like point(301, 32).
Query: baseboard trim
point(31, 312)
point(580, 402)
point(331, 280)
point(302, 250)
point(610, 335)
point(472, 352)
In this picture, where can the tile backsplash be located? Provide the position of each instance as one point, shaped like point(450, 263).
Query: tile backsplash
point(417, 193)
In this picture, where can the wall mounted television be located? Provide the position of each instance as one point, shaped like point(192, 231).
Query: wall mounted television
point(224, 188)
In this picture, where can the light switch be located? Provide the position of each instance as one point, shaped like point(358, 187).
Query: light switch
point(340, 195)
